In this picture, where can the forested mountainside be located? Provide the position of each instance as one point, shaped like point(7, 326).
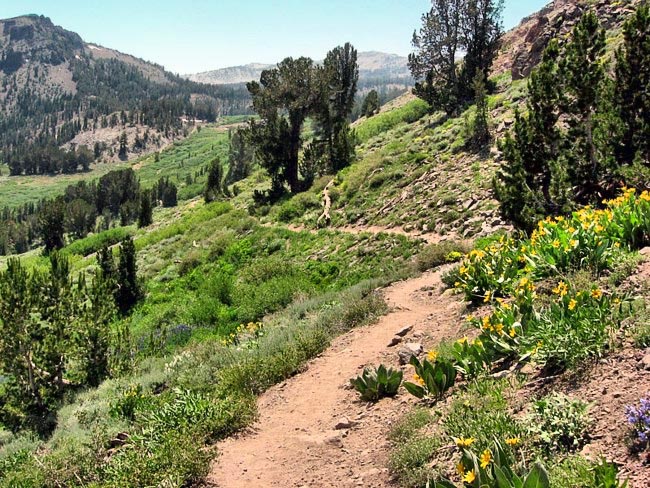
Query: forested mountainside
point(54, 87)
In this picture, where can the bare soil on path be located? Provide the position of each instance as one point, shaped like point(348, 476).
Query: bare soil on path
point(428, 237)
point(312, 430)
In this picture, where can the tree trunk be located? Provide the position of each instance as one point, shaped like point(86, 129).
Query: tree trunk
point(294, 152)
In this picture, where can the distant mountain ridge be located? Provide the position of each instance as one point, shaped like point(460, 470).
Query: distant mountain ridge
point(56, 89)
point(372, 65)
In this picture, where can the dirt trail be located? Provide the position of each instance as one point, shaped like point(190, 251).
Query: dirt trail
point(428, 237)
point(295, 443)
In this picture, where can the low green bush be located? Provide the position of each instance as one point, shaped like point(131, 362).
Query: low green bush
point(481, 413)
point(432, 378)
point(93, 243)
point(441, 253)
point(376, 383)
point(558, 423)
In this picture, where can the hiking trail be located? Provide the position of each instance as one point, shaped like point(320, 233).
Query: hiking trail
point(313, 431)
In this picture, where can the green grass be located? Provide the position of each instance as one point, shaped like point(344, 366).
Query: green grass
point(216, 268)
point(407, 114)
point(180, 160)
point(184, 403)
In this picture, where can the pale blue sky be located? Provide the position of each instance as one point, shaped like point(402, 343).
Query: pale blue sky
point(198, 35)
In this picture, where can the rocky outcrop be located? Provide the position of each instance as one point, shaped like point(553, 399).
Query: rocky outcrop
point(522, 47)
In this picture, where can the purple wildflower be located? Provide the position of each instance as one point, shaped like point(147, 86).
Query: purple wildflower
point(638, 416)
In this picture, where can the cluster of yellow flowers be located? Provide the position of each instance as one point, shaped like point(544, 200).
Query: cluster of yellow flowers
point(251, 328)
point(561, 289)
point(485, 459)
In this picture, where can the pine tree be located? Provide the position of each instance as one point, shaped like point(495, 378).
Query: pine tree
point(524, 183)
point(94, 337)
point(289, 89)
point(450, 27)
point(338, 80)
point(583, 76)
point(482, 31)
point(433, 64)
point(169, 195)
point(240, 157)
point(480, 126)
point(128, 291)
point(371, 104)
point(145, 215)
point(19, 342)
point(58, 306)
point(214, 185)
point(123, 146)
point(52, 225)
point(632, 85)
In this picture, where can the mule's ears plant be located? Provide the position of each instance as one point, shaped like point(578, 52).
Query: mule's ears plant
point(606, 475)
point(495, 468)
point(374, 384)
point(432, 378)
point(470, 356)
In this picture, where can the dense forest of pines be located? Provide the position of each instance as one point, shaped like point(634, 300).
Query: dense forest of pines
point(585, 130)
point(83, 208)
point(57, 332)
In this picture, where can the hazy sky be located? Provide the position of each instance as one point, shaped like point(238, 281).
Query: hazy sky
point(198, 35)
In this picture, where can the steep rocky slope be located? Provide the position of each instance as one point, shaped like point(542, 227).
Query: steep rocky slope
point(522, 47)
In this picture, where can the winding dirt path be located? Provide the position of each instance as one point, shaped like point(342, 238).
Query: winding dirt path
point(428, 237)
point(296, 442)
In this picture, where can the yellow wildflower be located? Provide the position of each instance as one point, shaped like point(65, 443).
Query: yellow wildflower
point(487, 297)
point(597, 293)
point(418, 379)
point(464, 441)
point(512, 332)
point(561, 289)
point(513, 441)
point(556, 244)
point(469, 477)
point(572, 304)
point(486, 322)
point(462, 340)
point(432, 355)
point(460, 468)
point(486, 458)
point(499, 328)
